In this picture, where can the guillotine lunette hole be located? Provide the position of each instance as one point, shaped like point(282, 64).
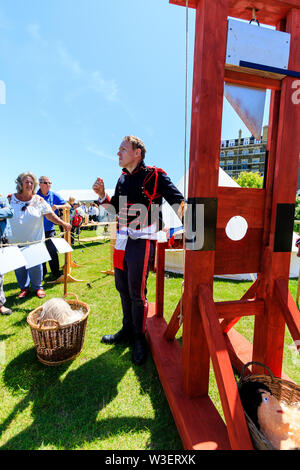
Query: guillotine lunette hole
point(236, 228)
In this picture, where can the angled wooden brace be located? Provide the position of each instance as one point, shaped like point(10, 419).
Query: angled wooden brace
point(233, 411)
point(228, 323)
point(174, 323)
point(289, 308)
point(225, 310)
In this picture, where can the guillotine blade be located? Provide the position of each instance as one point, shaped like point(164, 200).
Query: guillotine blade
point(249, 104)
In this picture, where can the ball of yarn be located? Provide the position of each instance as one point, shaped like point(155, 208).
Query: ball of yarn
point(59, 310)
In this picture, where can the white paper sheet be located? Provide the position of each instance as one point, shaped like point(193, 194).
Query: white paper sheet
point(11, 258)
point(61, 245)
point(35, 254)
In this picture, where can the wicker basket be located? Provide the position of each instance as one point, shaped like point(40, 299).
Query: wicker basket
point(285, 391)
point(56, 344)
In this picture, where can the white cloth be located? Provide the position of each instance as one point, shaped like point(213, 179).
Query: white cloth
point(27, 225)
point(81, 212)
point(93, 210)
point(83, 208)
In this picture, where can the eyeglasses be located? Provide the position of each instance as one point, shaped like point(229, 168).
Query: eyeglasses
point(46, 182)
point(25, 207)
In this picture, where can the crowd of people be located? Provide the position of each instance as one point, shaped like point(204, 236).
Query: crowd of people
point(30, 215)
point(83, 213)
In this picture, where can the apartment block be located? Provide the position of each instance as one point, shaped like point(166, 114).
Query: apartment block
point(244, 154)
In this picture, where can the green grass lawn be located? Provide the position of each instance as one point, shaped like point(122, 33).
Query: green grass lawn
point(100, 400)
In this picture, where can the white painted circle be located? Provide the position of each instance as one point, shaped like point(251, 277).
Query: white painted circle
point(236, 228)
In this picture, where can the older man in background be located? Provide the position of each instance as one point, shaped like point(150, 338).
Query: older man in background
point(56, 202)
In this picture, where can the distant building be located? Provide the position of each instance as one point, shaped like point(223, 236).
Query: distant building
point(244, 154)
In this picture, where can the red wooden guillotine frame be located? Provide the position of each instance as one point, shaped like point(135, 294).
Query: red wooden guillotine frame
point(208, 332)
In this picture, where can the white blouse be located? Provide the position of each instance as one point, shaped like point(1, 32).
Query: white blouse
point(27, 223)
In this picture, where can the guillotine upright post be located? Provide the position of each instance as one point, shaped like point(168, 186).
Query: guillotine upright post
point(206, 126)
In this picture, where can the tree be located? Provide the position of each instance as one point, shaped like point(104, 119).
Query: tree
point(297, 214)
point(249, 179)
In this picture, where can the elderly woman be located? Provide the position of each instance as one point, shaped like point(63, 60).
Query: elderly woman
point(27, 225)
point(5, 213)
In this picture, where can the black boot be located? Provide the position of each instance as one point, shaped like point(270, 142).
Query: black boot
point(122, 336)
point(140, 351)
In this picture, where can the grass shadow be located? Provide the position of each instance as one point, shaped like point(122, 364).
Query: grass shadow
point(23, 322)
point(65, 409)
point(150, 385)
point(5, 336)
point(11, 285)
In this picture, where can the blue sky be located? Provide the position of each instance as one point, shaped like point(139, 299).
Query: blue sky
point(81, 75)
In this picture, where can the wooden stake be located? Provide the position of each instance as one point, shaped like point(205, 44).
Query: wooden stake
point(113, 236)
point(66, 277)
point(233, 411)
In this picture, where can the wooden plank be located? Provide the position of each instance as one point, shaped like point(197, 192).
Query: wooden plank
point(269, 331)
point(227, 324)
point(235, 75)
point(198, 422)
point(243, 308)
point(270, 11)
point(245, 202)
point(240, 256)
point(230, 311)
point(206, 126)
point(233, 411)
point(289, 309)
point(232, 257)
point(241, 351)
point(93, 239)
point(95, 224)
point(195, 354)
point(191, 3)
point(174, 323)
point(266, 261)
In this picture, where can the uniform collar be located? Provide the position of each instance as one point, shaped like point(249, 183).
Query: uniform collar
point(140, 166)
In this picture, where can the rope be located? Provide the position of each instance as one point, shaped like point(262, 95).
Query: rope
point(3, 245)
point(254, 17)
point(186, 92)
point(23, 244)
point(105, 258)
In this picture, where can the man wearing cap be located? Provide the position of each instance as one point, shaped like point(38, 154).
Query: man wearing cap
point(56, 202)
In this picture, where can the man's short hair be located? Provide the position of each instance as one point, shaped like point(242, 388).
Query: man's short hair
point(136, 144)
point(42, 178)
